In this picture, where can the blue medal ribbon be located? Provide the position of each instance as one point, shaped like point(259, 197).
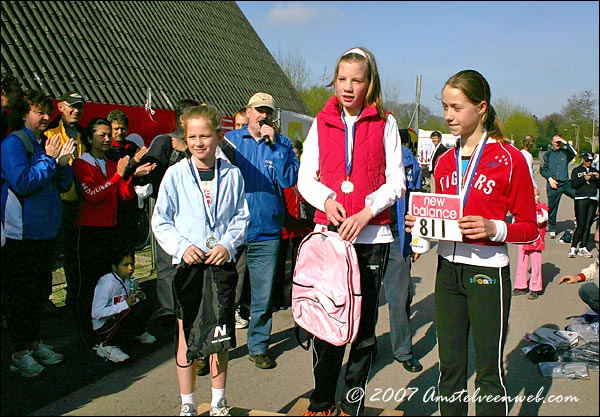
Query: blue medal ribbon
point(349, 144)
point(463, 186)
point(209, 217)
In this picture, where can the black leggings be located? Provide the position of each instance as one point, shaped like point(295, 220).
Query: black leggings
point(585, 210)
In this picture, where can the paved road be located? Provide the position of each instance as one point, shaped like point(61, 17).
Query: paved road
point(148, 385)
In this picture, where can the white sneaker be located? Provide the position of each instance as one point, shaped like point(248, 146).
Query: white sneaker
point(26, 365)
point(112, 353)
point(572, 252)
point(552, 235)
point(221, 409)
point(145, 338)
point(240, 322)
point(584, 252)
point(46, 356)
point(188, 410)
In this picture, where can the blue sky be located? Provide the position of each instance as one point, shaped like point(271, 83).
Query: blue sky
point(535, 55)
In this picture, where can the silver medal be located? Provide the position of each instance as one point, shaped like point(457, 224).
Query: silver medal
point(211, 242)
point(347, 187)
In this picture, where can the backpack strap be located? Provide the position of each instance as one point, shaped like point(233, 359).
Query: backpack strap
point(21, 134)
point(297, 332)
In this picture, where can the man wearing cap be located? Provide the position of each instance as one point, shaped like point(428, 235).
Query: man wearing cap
point(70, 105)
point(555, 168)
point(584, 180)
point(268, 164)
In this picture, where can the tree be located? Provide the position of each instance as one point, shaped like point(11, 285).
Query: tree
point(580, 114)
point(295, 67)
point(518, 124)
point(315, 98)
point(549, 127)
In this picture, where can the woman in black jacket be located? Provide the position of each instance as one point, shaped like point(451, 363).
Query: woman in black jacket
point(584, 180)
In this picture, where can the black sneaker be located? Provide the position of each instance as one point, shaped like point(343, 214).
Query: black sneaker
point(262, 361)
point(533, 295)
point(517, 292)
point(412, 365)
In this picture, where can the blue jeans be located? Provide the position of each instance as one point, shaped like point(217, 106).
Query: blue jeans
point(261, 258)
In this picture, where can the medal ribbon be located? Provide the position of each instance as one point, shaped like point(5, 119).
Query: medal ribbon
point(205, 206)
point(349, 144)
point(465, 183)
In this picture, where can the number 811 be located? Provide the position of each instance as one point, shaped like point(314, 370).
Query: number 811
point(425, 228)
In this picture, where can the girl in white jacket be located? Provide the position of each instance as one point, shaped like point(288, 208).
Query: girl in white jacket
point(117, 310)
point(200, 218)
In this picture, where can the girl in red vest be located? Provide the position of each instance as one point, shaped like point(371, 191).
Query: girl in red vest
point(351, 171)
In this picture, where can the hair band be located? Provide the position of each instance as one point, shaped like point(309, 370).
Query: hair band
point(356, 51)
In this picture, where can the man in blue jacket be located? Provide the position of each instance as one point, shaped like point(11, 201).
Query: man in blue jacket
point(268, 165)
point(555, 168)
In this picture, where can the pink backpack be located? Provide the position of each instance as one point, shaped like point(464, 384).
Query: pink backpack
point(326, 295)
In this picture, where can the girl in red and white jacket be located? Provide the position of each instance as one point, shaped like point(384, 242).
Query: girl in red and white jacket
point(473, 289)
point(532, 251)
point(100, 184)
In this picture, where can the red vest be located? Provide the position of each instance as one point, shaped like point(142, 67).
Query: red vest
point(368, 159)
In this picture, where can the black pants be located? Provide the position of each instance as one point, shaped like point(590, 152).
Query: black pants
point(164, 282)
point(282, 286)
point(476, 299)
point(585, 210)
point(26, 268)
point(94, 250)
point(67, 247)
point(554, 195)
point(243, 290)
point(130, 322)
point(327, 358)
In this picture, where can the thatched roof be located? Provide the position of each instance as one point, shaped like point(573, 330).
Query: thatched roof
point(113, 52)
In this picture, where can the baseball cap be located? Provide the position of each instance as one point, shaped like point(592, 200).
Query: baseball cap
point(72, 97)
point(261, 100)
point(587, 156)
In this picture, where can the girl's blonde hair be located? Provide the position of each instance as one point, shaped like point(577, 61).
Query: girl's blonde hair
point(373, 95)
point(204, 111)
point(476, 88)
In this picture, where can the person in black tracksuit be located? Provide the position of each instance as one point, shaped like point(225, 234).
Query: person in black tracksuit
point(584, 180)
point(555, 168)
